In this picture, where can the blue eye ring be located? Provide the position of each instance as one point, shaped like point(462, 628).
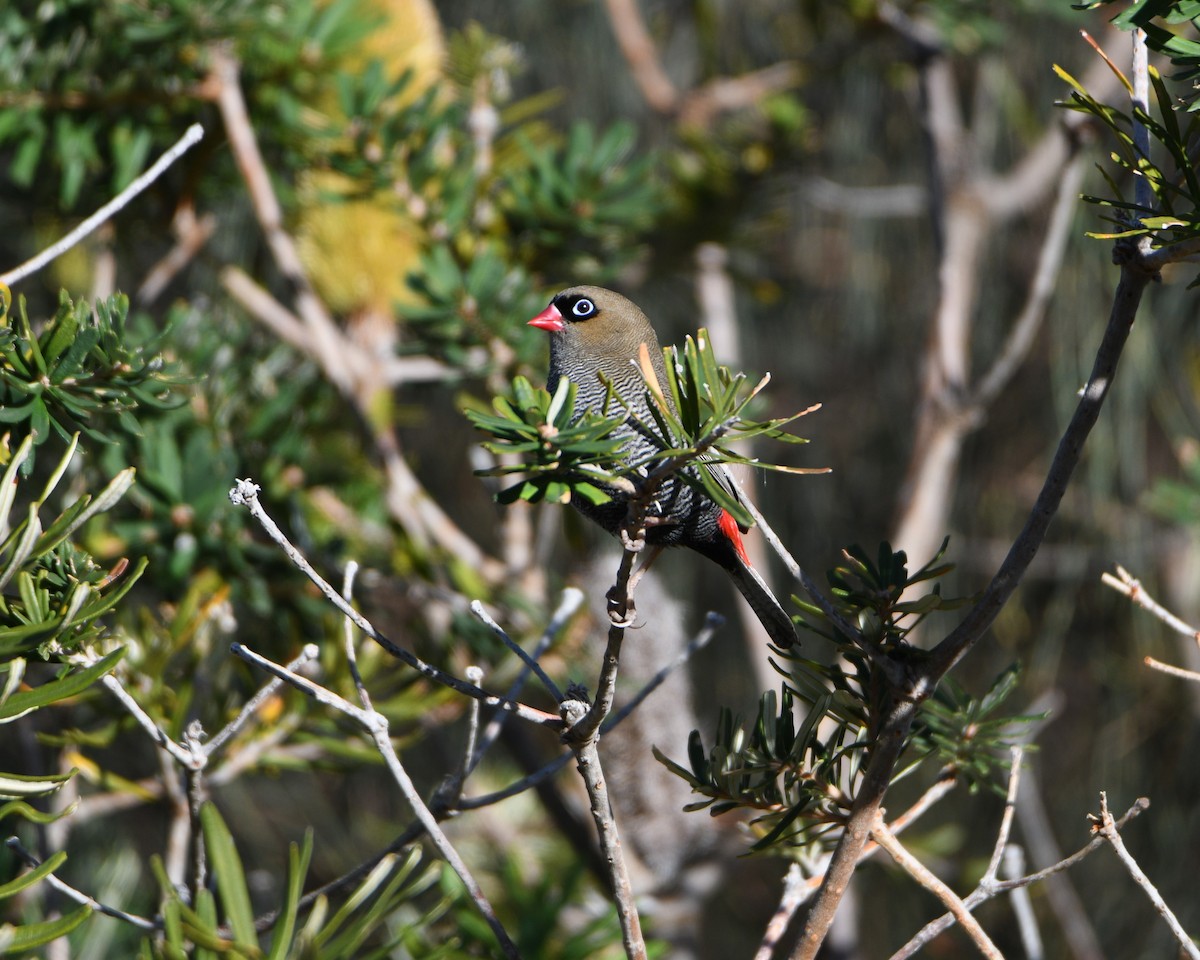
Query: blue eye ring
point(583, 307)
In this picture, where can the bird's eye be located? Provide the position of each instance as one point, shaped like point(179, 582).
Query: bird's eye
point(583, 308)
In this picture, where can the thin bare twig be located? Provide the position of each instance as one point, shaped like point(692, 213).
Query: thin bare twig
point(376, 726)
point(364, 697)
point(1016, 754)
point(711, 623)
point(1012, 866)
point(246, 494)
point(571, 600)
point(1123, 582)
point(1104, 826)
point(587, 758)
point(982, 893)
point(1174, 671)
point(639, 51)
point(191, 233)
point(796, 894)
point(926, 878)
point(223, 736)
point(14, 844)
point(530, 662)
point(190, 138)
point(570, 603)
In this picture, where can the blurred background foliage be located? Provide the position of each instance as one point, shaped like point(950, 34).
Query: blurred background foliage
point(444, 168)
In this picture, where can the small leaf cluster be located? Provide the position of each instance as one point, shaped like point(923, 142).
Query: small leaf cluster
point(81, 373)
point(703, 409)
point(798, 783)
point(492, 212)
point(52, 599)
point(59, 593)
point(793, 781)
point(1174, 216)
point(562, 452)
point(1142, 14)
point(96, 88)
point(875, 594)
point(970, 735)
point(223, 924)
point(573, 204)
point(558, 453)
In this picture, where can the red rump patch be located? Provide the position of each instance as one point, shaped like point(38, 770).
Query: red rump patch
point(728, 526)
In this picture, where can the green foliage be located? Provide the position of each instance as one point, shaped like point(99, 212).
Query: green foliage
point(572, 206)
point(60, 591)
point(82, 373)
point(969, 735)
point(19, 940)
point(562, 453)
point(535, 913)
point(791, 780)
point(1174, 216)
point(495, 213)
point(799, 782)
point(1142, 14)
point(95, 86)
point(871, 591)
point(382, 913)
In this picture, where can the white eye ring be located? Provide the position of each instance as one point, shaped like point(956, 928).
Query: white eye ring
point(583, 308)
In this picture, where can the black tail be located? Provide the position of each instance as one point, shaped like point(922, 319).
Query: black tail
point(762, 601)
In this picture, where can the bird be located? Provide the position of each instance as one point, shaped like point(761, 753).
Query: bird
point(596, 340)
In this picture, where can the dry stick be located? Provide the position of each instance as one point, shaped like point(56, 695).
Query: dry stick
point(246, 494)
point(178, 850)
point(530, 662)
point(965, 199)
point(376, 725)
point(353, 372)
point(348, 637)
point(1020, 338)
point(798, 889)
point(309, 653)
point(242, 140)
point(711, 622)
point(638, 49)
point(926, 878)
point(191, 234)
point(191, 136)
point(1013, 865)
point(414, 831)
point(982, 894)
point(582, 725)
point(1131, 587)
point(572, 598)
point(1061, 897)
point(958, 909)
point(1016, 754)
point(1174, 671)
point(14, 844)
point(886, 750)
point(1104, 826)
point(1126, 584)
point(700, 106)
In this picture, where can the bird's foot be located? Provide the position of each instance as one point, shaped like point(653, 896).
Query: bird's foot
point(621, 609)
point(634, 543)
point(647, 559)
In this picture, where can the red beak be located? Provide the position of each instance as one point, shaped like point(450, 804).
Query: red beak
point(549, 319)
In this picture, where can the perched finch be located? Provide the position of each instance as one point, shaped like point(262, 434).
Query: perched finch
point(595, 332)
